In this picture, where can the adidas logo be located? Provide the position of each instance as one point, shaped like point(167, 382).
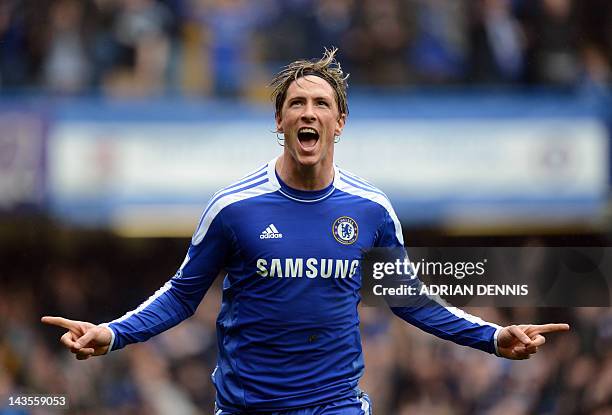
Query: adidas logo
point(271, 233)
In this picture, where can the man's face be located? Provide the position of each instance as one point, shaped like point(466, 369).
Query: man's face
point(310, 120)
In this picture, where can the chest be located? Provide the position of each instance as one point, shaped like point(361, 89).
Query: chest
point(280, 228)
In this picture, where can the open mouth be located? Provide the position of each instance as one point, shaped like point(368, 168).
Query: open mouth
point(308, 137)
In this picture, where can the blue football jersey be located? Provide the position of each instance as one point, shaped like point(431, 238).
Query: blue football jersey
point(288, 329)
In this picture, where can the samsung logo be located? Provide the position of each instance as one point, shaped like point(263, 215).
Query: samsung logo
point(309, 268)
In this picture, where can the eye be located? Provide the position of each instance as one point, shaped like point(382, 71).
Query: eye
point(295, 103)
point(323, 103)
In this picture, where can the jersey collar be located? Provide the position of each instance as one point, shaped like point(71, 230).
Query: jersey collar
point(300, 195)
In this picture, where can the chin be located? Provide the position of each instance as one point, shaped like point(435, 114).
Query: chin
point(308, 160)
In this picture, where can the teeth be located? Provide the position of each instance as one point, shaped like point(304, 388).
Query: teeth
point(308, 130)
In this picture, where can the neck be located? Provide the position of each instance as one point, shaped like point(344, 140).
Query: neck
point(301, 177)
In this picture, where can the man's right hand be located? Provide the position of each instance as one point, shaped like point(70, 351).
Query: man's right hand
point(82, 338)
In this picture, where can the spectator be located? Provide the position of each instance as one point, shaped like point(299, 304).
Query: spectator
point(230, 50)
point(553, 43)
point(141, 29)
point(440, 48)
point(66, 66)
point(496, 40)
point(376, 46)
point(227, 47)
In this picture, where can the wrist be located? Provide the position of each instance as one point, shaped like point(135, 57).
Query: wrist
point(495, 341)
point(112, 336)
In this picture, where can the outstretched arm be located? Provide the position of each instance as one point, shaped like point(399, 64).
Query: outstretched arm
point(433, 315)
point(171, 304)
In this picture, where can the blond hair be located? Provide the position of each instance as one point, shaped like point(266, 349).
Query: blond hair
point(327, 68)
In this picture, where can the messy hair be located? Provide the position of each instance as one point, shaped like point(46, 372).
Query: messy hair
point(327, 68)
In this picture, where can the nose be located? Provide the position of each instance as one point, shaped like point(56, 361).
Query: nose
point(308, 114)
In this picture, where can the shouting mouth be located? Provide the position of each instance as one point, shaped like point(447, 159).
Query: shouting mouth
point(308, 137)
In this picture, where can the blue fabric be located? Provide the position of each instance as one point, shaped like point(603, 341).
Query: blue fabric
point(360, 404)
point(288, 329)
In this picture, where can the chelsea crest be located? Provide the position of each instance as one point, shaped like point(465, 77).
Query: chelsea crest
point(345, 230)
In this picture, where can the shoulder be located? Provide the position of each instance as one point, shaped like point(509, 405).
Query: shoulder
point(357, 186)
point(353, 184)
point(256, 183)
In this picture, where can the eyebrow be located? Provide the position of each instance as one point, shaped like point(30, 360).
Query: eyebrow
point(320, 97)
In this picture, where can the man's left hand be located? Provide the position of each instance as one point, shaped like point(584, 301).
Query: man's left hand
point(520, 342)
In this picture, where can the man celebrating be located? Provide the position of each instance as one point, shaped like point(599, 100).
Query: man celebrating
point(290, 236)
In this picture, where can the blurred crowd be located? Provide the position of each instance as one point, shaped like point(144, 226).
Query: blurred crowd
point(231, 47)
point(408, 372)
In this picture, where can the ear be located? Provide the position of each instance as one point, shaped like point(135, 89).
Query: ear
point(340, 124)
point(279, 127)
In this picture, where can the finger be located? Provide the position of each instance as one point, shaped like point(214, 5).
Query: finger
point(532, 347)
point(68, 340)
point(549, 328)
point(521, 354)
point(537, 341)
point(85, 339)
point(519, 334)
point(99, 351)
point(522, 349)
point(83, 356)
point(60, 322)
point(85, 351)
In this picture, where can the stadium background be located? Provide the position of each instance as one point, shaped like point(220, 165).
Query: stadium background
point(487, 122)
